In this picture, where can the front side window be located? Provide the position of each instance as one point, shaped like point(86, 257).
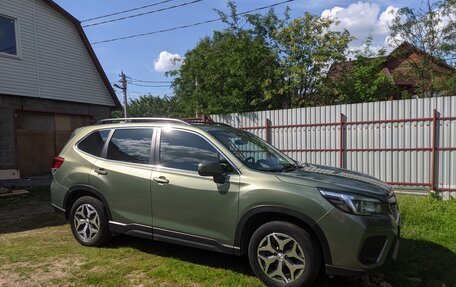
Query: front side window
point(130, 145)
point(185, 150)
point(253, 151)
point(93, 144)
point(8, 43)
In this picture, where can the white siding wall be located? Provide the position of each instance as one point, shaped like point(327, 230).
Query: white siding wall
point(53, 62)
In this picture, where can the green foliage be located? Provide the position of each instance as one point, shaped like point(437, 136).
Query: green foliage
point(308, 47)
point(363, 79)
point(230, 72)
point(262, 63)
point(151, 106)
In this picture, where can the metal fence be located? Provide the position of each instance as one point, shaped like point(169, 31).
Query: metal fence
point(406, 142)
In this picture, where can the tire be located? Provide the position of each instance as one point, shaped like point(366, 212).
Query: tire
point(89, 222)
point(276, 248)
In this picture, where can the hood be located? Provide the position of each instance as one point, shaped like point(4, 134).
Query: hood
point(338, 179)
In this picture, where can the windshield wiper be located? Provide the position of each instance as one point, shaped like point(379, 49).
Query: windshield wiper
point(290, 167)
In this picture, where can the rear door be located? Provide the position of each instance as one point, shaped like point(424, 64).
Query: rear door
point(123, 176)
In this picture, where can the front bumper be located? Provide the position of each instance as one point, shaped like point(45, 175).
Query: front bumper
point(359, 244)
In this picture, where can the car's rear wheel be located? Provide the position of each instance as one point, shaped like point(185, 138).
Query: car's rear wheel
point(89, 222)
point(283, 254)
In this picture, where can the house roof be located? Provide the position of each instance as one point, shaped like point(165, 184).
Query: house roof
point(390, 62)
point(85, 40)
point(407, 48)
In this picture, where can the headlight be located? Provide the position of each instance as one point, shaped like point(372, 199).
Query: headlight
point(355, 204)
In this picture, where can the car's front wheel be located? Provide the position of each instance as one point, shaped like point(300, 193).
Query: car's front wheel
point(283, 254)
point(89, 222)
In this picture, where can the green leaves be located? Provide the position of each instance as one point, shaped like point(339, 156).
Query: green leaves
point(259, 62)
point(308, 48)
point(230, 72)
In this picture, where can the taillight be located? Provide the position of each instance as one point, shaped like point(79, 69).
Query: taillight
point(56, 163)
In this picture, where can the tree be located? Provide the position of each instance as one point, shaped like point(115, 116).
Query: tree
point(307, 48)
point(262, 63)
point(152, 106)
point(432, 29)
point(362, 79)
point(228, 72)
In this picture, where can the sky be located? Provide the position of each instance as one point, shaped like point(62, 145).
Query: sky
point(148, 58)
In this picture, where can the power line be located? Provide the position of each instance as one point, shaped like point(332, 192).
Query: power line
point(189, 25)
point(144, 13)
point(150, 86)
point(147, 81)
point(126, 11)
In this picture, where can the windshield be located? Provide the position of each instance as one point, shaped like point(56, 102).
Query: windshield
point(253, 151)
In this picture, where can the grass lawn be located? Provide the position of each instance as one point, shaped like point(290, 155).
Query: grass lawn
point(37, 249)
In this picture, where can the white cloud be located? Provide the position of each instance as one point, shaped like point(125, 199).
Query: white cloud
point(362, 19)
point(167, 62)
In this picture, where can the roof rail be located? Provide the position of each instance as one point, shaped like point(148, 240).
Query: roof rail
point(210, 123)
point(141, 120)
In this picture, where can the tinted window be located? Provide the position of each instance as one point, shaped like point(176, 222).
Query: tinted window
point(94, 143)
point(184, 150)
point(130, 145)
point(7, 35)
point(253, 151)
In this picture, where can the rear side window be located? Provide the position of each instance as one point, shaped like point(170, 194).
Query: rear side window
point(130, 145)
point(94, 143)
point(184, 150)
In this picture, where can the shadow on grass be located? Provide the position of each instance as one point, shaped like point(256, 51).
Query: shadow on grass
point(27, 212)
point(420, 263)
point(207, 258)
point(423, 263)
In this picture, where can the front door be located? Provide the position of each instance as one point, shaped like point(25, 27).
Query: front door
point(185, 203)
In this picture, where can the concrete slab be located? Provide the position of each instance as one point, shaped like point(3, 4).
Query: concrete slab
point(15, 192)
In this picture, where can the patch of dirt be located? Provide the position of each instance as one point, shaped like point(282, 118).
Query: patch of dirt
point(45, 273)
point(140, 279)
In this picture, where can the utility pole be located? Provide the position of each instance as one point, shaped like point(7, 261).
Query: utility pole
point(123, 82)
point(196, 91)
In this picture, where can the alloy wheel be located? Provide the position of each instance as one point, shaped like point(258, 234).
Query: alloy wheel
point(86, 222)
point(281, 257)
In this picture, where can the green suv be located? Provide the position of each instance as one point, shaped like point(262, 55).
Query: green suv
point(212, 186)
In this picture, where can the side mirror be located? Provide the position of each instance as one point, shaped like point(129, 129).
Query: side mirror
point(213, 169)
point(210, 169)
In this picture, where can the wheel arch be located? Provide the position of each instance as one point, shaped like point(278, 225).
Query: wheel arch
point(78, 191)
point(260, 215)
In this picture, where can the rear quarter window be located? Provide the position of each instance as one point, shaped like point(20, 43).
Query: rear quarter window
point(93, 144)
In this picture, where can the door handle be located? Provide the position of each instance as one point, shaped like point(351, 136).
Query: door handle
point(161, 180)
point(101, 171)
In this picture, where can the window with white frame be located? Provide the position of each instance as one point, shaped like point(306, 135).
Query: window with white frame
point(8, 41)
